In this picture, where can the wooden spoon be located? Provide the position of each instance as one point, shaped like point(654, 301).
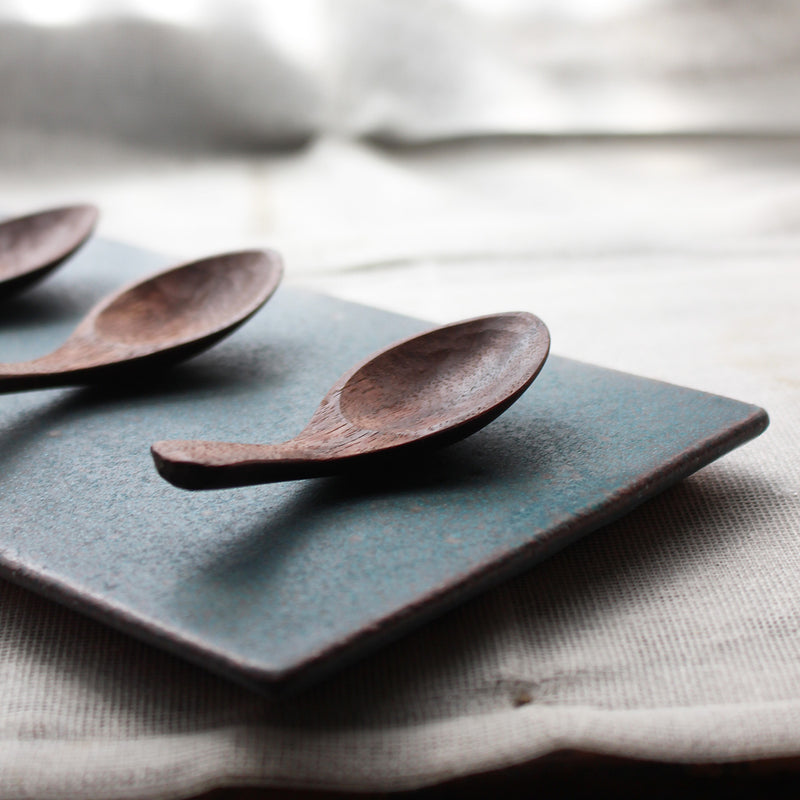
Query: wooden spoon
point(34, 245)
point(426, 391)
point(166, 318)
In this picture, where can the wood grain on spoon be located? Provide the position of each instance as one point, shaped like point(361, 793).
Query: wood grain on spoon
point(34, 245)
point(426, 391)
point(165, 318)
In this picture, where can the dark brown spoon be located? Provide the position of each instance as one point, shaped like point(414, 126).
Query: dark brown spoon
point(34, 245)
point(426, 391)
point(163, 319)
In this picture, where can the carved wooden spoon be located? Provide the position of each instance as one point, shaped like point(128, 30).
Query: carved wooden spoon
point(34, 245)
point(426, 391)
point(163, 319)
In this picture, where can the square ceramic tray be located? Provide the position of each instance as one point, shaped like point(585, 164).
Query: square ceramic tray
point(276, 585)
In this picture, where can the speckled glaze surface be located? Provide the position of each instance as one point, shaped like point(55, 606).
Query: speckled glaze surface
point(276, 585)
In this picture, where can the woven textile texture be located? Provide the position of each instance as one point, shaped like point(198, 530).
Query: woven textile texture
point(672, 634)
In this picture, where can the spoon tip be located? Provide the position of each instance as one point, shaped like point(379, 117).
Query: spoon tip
point(33, 245)
point(182, 464)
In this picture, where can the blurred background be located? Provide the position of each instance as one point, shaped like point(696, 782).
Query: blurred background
point(438, 157)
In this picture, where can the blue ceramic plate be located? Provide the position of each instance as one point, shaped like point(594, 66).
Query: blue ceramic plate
point(276, 585)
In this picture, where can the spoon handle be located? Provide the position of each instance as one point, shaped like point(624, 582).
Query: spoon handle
point(29, 375)
point(224, 465)
point(69, 365)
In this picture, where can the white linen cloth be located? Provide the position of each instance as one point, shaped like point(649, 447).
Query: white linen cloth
point(673, 634)
point(200, 73)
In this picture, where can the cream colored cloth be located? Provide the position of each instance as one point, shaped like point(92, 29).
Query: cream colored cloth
point(673, 634)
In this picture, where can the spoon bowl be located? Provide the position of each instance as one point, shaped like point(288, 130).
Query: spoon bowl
point(31, 247)
point(160, 320)
point(423, 392)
